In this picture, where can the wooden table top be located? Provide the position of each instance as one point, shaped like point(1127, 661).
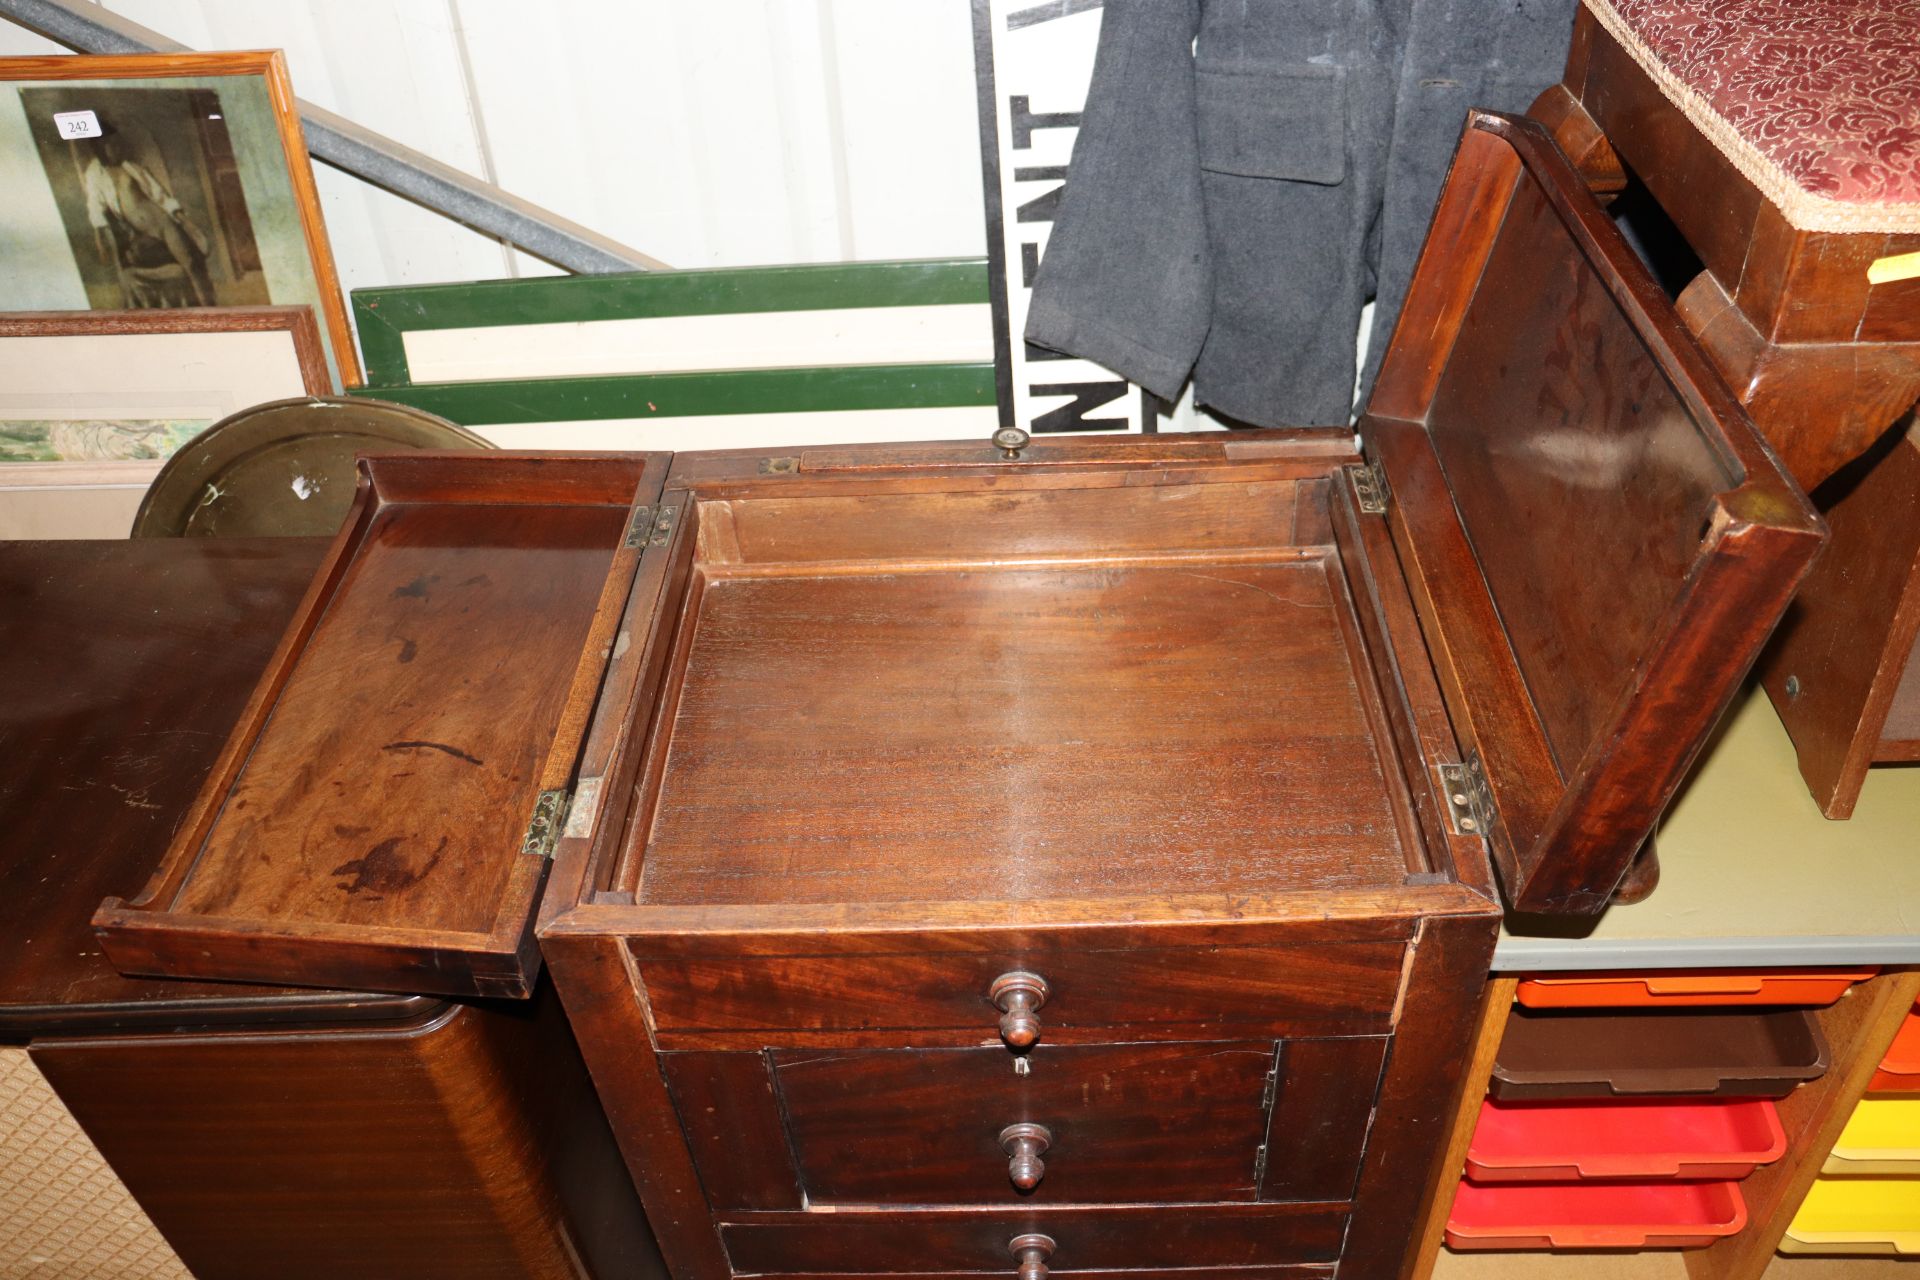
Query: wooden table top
point(126, 665)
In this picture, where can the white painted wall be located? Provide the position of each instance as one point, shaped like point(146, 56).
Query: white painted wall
point(717, 133)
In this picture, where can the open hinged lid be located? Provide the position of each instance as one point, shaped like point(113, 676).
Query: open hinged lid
point(383, 814)
point(1598, 540)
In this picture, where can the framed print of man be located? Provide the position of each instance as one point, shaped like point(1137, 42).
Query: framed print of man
point(156, 181)
point(150, 197)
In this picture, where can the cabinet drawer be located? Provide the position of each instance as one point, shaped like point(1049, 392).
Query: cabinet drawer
point(1295, 1271)
point(1084, 1239)
point(1133, 1123)
point(923, 998)
point(1121, 1123)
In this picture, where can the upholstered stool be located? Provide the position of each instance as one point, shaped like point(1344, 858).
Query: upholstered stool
point(1783, 140)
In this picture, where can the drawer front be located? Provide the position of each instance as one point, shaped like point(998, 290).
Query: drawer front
point(1294, 1271)
point(1092, 996)
point(1122, 1123)
point(1110, 1124)
point(1084, 1239)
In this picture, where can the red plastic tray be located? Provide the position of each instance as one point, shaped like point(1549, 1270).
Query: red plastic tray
point(1701, 987)
point(1640, 1140)
point(1900, 1071)
point(1595, 1215)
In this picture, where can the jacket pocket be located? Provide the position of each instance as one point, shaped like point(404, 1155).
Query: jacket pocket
point(1285, 122)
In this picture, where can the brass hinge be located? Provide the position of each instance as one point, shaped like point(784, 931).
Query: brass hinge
point(639, 526)
point(1260, 1165)
point(662, 529)
point(779, 466)
point(1469, 801)
point(1369, 486)
point(544, 827)
point(651, 526)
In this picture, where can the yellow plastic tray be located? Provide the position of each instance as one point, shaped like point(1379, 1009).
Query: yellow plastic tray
point(1881, 1138)
point(1848, 1215)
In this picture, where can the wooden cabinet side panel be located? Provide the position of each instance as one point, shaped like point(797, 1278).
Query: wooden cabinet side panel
point(1446, 973)
point(605, 1005)
point(415, 1152)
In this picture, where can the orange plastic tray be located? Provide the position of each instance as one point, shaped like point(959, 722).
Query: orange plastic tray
point(1700, 987)
point(1639, 1140)
point(1594, 1215)
point(1900, 1070)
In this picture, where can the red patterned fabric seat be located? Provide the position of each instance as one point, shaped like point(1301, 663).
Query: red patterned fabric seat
point(1817, 102)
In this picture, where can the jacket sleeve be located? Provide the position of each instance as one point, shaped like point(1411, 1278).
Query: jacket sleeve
point(1126, 280)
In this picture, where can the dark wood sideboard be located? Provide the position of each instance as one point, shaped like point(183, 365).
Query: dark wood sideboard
point(264, 1130)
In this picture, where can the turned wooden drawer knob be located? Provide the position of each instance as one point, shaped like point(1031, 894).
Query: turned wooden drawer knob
point(1024, 1145)
point(1019, 995)
point(1031, 1252)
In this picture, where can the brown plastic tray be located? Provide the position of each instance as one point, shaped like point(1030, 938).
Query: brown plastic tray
point(1604, 1054)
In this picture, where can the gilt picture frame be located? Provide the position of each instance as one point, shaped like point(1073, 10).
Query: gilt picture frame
point(93, 402)
point(153, 182)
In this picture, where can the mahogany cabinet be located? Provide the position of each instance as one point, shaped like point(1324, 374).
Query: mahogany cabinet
point(264, 1131)
point(1067, 856)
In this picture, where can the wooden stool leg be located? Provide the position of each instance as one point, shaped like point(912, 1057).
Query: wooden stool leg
point(1835, 668)
point(1819, 404)
point(1592, 155)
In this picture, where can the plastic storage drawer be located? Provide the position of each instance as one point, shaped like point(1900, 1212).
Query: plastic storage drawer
point(1666, 1138)
point(1882, 1138)
point(1595, 1215)
point(1605, 1054)
point(1900, 1071)
point(1857, 1215)
point(1613, 990)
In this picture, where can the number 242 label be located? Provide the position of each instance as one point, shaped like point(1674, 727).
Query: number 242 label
point(77, 124)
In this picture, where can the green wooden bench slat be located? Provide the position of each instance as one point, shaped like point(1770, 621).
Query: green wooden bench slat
point(384, 315)
point(673, 395)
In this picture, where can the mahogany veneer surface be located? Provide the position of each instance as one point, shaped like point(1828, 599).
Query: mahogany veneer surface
point(988, 713)
point(437, 676)
point(128, 663)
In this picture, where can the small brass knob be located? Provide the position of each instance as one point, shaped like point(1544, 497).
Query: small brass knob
point(1031, 1252)
point(1010, 441)
point(1024, 1145)
point(1018, 996)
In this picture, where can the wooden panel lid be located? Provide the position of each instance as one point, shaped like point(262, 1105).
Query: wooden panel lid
point(383, 813)
point(1598, 539)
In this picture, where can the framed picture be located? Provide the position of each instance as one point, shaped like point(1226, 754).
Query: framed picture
point(92, 403)
point(157, 181)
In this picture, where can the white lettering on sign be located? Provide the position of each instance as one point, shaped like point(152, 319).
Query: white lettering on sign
point(1037, 56)
point(76, 124)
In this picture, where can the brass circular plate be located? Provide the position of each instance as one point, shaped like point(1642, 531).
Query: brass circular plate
point(283, 469)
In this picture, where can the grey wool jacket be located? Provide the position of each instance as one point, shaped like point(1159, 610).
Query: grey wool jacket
point(1249, 173)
